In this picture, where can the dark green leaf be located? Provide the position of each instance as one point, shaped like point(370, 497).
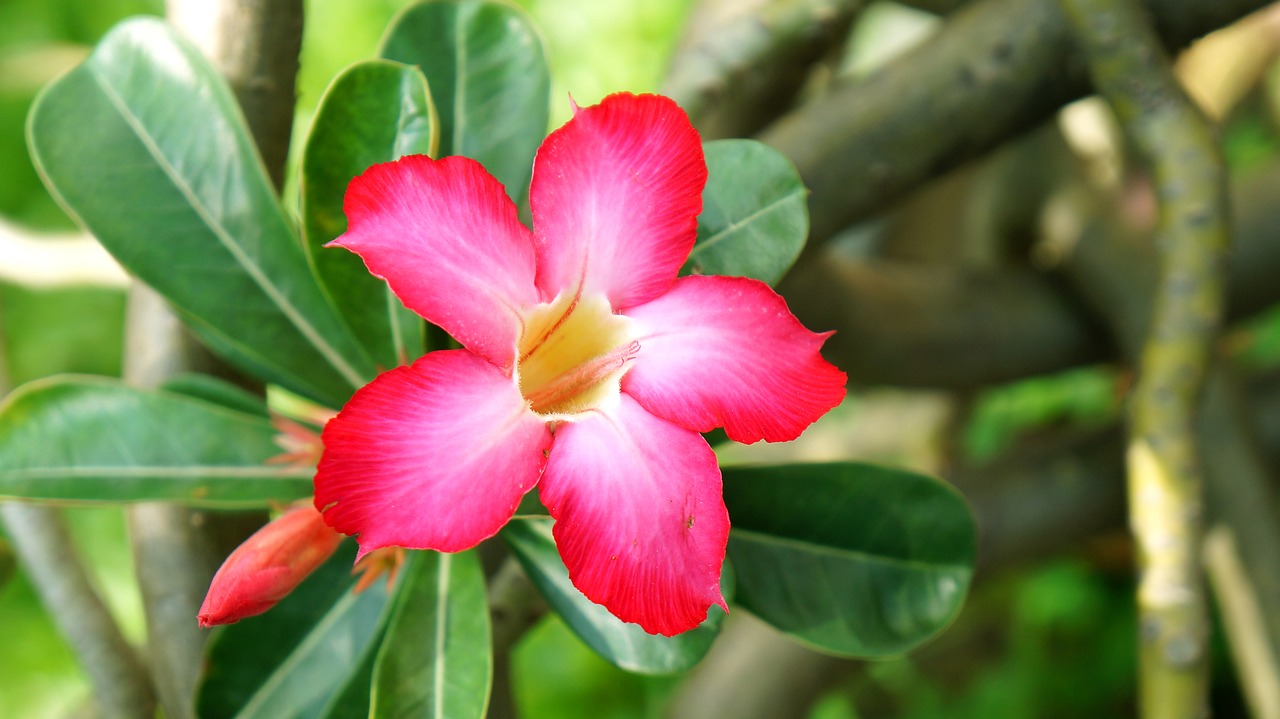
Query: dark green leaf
point(145, 145)
point(754, 217)
point(436, 661)
point(488, 73)
point(853, 559)
point(290, 661)
point(91, 440)
point(216, 391)
point(375, 111)
point(625, 645)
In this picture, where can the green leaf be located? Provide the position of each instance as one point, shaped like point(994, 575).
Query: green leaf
point(754, 217)
point(354, 698)
point(852, 559)
point(216, 391)
point(373, 112)
point(437, 660)
point(96, 440)
point(145, 145)
point(488, 73)
point(292, 660)
point(625, 645)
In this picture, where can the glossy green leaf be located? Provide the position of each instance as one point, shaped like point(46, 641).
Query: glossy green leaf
point(625, 645)
point(373, 112)
point(96, 440)
point(436, 661)
point(852, 559)
point(291, 661)
point(145, 145)
point(755, 217)
point(488, 73)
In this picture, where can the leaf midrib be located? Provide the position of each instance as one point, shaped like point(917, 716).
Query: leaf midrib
point(733, 227)
point(296, 318)
point(845, 553)
point(441, 624)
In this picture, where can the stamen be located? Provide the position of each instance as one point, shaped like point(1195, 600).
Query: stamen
point(550, 330)
point(572, 381)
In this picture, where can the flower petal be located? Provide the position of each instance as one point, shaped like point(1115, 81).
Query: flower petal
point(445, 236)
point(726, 352)
point(434, 455)
point(615, 197)
point(640, 521)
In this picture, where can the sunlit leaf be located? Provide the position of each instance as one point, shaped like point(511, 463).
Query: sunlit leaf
point(754, 217)
point(96, 440)
point(373, 112)
point(488, 73)
point(145, 145)
point(291, 661)
point(850, 558)
point(625, 645)
point(436, 661)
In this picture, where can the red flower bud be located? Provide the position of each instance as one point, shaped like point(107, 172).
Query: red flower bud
point(268, 565)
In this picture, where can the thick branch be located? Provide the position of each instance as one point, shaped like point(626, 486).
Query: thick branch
point(884, 312)
point(997, 69)
point(53, 563)
point(734, 75)
point(931, 325)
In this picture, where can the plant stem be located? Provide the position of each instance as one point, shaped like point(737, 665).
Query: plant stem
point(514, 608)
point(1164, 466)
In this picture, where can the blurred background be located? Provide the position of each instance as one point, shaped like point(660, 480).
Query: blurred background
point(1049, 638)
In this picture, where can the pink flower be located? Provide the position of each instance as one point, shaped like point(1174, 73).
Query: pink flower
point(267, 566)
point(588, 365)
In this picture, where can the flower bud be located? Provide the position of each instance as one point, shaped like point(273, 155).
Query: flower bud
point(268, 565)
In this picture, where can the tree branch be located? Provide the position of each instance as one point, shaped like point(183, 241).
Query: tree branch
point(51, 560)
point(919, 325)
point(996, 69)
point(1164, 462)
point(912, 325)
point(735, 74)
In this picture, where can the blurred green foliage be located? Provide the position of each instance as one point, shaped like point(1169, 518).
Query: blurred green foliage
point(62, 329)
point(1086, 397)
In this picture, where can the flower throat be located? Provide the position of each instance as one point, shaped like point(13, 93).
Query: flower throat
point(572, 354)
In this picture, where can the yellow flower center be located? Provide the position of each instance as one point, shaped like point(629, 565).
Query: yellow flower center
point(572, 354)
